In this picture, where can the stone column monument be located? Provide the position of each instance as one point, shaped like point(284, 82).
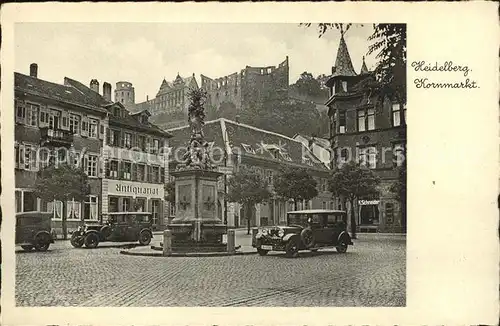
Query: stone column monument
point(196, 224)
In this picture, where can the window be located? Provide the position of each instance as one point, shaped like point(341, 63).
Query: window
point(141, 172)
point(30, 157)
point(344, 155)
point(54, 119)
point(114, 138)
point(74, 123)
point(269, 70)
point(368, 157)
point(156, 146)
point(140, 204)
point(389, 213)
point(361, 120)
point(127, 140)
point(73, 209)
point(126, 205)
point(324, 184)
point(93, 123)
point(25, 201)
point(92, 165)
point(370, 119)
point(127, 170)
point(20, 112)
point(332, 205)
point(399, 155)
point(112, 204)
point(141, 142)
point(44, 117)
point(43, 158)
point(19, 153)
point(270, 177)
point(248, 148)
point(155, 205)
point(112, 170)
point(172, 209)
point(398, 115)
point(155, 174)
point(32, 114)
point(344, 86)
point(323, 205)
point(342, 122)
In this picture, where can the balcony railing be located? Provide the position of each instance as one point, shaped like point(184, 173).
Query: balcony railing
point(55, 137)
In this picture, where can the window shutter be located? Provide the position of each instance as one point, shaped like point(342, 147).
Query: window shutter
point(134, 172)
point(85, 126)
point(65, 120)
point(20, 111)
point(108, 137)
point(44, 116)
point(102, 129)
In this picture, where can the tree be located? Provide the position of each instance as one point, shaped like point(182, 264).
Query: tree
point(389, 44)
point(247, 188)
point(399, 190)
point(284, 117)
point(308, 85)
point(352, 182)
point(296, 184)
point(64, 182)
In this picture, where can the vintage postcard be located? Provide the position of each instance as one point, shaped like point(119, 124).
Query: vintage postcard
point(250, 164)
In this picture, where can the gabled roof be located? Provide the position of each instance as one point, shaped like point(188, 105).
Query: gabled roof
point(178, 83)
point(343, 62)
point(249, 141)
point(65, 93)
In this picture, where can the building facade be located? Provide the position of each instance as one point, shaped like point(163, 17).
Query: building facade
point(250, 86)
point(235, 145)
point(368, 126)
point(50, 117)
point(169, 108)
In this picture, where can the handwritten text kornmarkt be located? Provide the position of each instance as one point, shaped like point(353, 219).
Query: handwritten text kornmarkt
point(445, 67)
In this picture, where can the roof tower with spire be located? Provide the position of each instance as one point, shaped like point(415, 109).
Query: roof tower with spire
point(364, 69)
point(343, 64)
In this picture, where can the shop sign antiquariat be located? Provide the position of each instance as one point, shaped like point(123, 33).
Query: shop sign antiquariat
point(123, 188)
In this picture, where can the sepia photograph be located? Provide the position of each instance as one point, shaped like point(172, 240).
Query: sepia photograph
point(210, 164)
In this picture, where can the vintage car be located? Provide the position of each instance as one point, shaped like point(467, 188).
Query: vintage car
point(119, 227)
point(304, 230)
point(34, 230)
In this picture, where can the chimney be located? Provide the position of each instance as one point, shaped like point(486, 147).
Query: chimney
point(106, 91)
point(147, 98)
point(34, 70)
point(94, 85)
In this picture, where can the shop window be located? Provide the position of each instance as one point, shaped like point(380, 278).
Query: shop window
point(126, 207)
point(369, 214)
point(113, 204)
point(140, 204)
point(29, 202)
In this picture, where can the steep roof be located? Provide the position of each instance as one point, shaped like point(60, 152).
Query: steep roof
point(65, 93)
point(250, 141)
point(343, 63)
point(178, 83)
point(364, 69)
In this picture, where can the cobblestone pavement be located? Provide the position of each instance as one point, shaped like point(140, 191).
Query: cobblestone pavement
point(371, 273)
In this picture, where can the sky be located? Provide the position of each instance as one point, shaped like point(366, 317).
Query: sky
point(145, 53)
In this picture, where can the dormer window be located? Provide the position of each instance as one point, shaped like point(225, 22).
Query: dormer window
point(344, 86)
point(116, 112)
point(248, 148)
point(144, 119)
point(274, 153)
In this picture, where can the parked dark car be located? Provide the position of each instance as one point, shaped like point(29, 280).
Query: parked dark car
point(33, 230)
point(119, 227)
point(304, 230)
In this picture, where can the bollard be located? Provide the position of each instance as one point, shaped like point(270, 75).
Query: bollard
point(230, 242)
point(167, 243)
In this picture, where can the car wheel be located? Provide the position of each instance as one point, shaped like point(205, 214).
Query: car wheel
point(77, 240)
point(292, 249)
point(42, 243)
point(307, 237)
point(144, 238)
point(27, 248)
point(342, 247)
point(91, 240)
point(262, 252)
